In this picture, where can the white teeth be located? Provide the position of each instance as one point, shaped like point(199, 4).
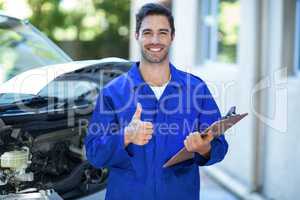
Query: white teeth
point(155, 49)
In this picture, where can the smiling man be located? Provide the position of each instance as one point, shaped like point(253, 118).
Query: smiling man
point(145, 116)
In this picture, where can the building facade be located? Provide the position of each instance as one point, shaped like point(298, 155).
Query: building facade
point(248, 53)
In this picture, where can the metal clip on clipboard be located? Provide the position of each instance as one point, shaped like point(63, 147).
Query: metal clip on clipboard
point(218, 128)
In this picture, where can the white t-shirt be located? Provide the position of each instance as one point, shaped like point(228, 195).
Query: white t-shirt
point(158, 90)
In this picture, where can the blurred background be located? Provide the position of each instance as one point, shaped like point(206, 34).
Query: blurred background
point(246, 50)
point(84, 29)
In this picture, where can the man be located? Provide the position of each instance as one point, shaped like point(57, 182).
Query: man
point(145, 116)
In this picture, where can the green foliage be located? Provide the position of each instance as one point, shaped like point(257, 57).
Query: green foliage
point(47, 15)
point(229, 21)
point(103, 22)
point(118, 15)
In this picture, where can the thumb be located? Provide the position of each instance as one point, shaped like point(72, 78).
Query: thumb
point(210, 135)
point(138, 111)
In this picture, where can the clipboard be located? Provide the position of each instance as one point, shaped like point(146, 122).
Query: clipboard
point(218, 128)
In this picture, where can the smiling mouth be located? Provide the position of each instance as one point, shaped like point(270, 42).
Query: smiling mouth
point(155, 50)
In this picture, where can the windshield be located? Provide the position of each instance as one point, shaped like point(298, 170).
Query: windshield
point(22, 47)
point(70, 89)
point(9, 98)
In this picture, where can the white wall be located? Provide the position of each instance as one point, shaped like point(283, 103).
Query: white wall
point(282, 176)
point(184, 45)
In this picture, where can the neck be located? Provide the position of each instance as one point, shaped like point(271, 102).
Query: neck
point(155, 74)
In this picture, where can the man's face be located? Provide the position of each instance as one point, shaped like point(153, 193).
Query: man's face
point(155, 38)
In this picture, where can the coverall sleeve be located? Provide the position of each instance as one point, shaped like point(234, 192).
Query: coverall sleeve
point(209, 114)
point(104, 142)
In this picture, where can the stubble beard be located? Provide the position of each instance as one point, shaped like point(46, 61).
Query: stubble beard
point(155, 60)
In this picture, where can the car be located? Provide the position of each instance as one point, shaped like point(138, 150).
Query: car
point(44, 113)
point(24, 47)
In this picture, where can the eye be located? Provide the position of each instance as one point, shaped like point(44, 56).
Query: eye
point(146, 33)
point(163, 33)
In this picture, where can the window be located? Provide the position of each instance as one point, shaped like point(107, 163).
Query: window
point(297, 38)
point(219, 30)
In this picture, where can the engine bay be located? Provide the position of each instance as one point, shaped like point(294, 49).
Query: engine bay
point(51, 161)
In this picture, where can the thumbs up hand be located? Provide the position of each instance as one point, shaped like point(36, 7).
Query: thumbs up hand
point(137, 131)
point(138, 112)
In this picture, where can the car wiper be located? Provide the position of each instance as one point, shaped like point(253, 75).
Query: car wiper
point(34, 101)
point(37, 99)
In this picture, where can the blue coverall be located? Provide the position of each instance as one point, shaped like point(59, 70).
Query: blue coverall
point(136, 172)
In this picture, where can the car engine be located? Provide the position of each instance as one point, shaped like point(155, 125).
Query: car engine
point(54, 160)
point(13, 166)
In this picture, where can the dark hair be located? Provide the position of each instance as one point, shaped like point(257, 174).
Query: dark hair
point(154, 9)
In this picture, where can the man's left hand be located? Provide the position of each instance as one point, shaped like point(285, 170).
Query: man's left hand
point(194, 142)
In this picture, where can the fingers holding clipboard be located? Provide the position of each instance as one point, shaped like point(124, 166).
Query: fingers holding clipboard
point(217, 128)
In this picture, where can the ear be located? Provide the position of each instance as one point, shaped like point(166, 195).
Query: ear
point(137, 35)
point(172, 36)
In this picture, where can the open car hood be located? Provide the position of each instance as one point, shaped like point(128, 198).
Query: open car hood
point(32, 81)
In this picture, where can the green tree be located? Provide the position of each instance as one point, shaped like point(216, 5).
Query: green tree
point(47, 15)
point(99, 29)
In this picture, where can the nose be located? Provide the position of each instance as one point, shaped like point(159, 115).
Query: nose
point(155, 39)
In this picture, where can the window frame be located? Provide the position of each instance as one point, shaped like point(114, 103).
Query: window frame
point(209, 39)
point(297, 39)
point(208, 45)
